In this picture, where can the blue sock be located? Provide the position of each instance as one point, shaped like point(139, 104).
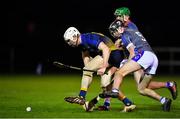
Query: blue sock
point(126, 101)
point(82, 93)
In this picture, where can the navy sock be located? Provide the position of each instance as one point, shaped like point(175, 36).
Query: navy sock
point(126, 101)
point(107, 104)
point(82, 93)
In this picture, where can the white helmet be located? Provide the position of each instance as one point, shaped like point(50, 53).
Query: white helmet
point(70, 32)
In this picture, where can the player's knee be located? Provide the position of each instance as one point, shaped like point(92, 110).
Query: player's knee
point(87, 74)
point(119, 73)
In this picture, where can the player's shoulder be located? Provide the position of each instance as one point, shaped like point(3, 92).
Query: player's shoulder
point(97, 33)
point(132, 25)
point(127, 33)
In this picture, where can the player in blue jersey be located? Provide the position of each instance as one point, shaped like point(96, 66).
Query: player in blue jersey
point(123, 14)
point(141, 57)
point(98, 53)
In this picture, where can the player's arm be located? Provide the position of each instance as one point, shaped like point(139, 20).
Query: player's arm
point(131, 51)
point(118, 43)
point(85, 57)
point(105, 54)
point(129, 46)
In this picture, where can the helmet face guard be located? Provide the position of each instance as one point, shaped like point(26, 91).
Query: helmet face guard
point(72, 42)
point(113, 28)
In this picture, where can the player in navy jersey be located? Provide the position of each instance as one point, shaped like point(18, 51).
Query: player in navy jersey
point(141, 57)
point(106, 54)
point(123, 14)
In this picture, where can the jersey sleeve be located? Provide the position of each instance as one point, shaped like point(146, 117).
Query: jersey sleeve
point(126, 40)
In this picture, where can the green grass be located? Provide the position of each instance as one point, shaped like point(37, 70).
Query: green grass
point(45, 95)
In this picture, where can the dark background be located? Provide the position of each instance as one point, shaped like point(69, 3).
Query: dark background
point(36, 27)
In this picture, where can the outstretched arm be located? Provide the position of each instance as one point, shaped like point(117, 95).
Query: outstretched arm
point(106, 54)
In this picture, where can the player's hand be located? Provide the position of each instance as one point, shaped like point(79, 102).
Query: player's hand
point(101, 71)
point(118, 43)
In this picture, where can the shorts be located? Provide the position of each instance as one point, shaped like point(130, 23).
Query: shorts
point(148, 61)
point(116, 57)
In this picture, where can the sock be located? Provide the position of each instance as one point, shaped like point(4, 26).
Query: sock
point(162, 100)
point(126, 101)
point(82, 93)
point(169, 84)
point(107, 102)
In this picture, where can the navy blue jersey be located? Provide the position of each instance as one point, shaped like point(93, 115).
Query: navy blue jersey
point(134, 37)
point(91, 41)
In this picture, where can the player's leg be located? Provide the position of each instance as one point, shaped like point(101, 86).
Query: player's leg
point(115, 93)
point(94, 64)
point(105, 81)
point(142, 88)
point(151, 93)
point(127, 68)
point(171, 85)
point(139, 76)
point(106, 84)
point(143, 84)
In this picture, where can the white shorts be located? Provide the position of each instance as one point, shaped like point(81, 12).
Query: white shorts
point(148, 61)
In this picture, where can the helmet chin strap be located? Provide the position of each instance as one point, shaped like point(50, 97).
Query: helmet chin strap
point(77, 41)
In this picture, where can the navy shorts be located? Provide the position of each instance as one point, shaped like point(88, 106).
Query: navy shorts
point(116, 58)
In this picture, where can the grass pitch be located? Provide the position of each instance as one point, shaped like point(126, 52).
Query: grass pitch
point(45, 95)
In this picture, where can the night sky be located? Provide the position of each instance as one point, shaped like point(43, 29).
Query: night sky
point(36, 27)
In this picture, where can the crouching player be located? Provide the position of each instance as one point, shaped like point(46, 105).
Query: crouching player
point(98, 53)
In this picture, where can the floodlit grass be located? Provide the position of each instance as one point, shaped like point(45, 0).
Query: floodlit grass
point(45, 95)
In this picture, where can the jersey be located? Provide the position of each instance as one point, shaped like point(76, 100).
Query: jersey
point(134, 37)
point(91, 41)
point(131, 25)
